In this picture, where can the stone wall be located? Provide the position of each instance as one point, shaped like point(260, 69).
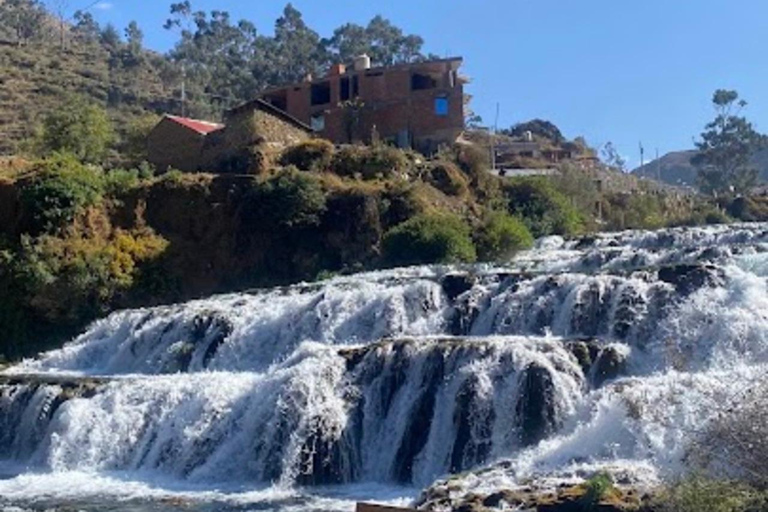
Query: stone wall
point(9, 209)
point(252, 140)
point(172, 145)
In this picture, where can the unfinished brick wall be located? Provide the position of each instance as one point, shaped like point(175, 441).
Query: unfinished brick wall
point(385, 102)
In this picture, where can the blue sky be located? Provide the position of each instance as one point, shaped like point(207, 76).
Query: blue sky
point(611, 70)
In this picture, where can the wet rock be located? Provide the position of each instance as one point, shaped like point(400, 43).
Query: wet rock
point(473, 432)
point(457, 284)
point(565, 498)
point(325, 461)
point(585, 352)
point(214, 327)
point(585, 243)
point(502, 498)
point(466, 310)
point(609, 365)
point(419, 420)
point(689, 278)
point(536, 405)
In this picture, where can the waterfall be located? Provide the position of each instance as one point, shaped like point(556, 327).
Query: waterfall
point(602, 351)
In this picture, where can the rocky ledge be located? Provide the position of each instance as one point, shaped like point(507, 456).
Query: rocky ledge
point(564, 497)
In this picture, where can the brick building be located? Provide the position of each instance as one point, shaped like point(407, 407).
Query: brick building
point(417, 105)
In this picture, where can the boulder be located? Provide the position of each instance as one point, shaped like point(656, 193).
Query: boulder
point(689, 278)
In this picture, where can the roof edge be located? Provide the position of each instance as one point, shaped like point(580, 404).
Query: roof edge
point(265, 105)
point(351, 71)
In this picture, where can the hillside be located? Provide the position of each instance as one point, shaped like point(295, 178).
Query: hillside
point(36, 78)
point(675, 168)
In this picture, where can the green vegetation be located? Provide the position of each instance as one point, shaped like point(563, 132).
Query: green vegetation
point(312, 155)
point(376, 162)
point(62, 187)
point(501, 235)
point(596, 489)
point(289, 199)
point(697, 493)
point(543, 208)
point(446, 177)
point(79, 128)
point(429, 239)
point(538, 128)
point(725, 148)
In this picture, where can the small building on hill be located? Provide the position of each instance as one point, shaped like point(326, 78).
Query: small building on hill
point(178, 142)
point(254, 136)
point(251, 138)
point(418, 104)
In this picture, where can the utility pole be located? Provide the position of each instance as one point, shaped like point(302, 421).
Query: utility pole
point(493, 137)
point(642, 154)
point(183, 90)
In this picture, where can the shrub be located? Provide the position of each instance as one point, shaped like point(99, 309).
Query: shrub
point(80, 128)
point(596, 489)
point(500, 236)
point(635, 211)
point(62, 187)
point(697, 494)
point(399, 202)
point(172, 177)
point(119, 181)
point(703, 214)
point(543, 208)
point(372, 162)
point(447, 178)
point(312, 155)
point(429, 239)
point(56, 283)
point(134, 142)
point(475, 162)
point(290, 199)
point(749, 209)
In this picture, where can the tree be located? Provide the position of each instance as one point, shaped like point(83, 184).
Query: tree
point(80, 128)
point(110, 37)
point(296, 51)
point(389, 45)
point(86, 28)
point(612, 157)
point(537, 127)
point(217, 55)
point(24, 19)
point(726, 146)
point(135, 38)
point(385, 43)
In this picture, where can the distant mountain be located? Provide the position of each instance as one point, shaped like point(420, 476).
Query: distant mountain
point(675, 168)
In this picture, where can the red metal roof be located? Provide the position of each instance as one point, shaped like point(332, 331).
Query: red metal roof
point(201, 127)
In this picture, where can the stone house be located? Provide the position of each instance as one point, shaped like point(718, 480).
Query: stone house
point(254, 136)
point(418, 105)
point(251, 138)
point(177, 142)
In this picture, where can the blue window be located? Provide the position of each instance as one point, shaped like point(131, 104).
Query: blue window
point(441, 106)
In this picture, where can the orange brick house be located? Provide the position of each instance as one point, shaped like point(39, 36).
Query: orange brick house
point(418, 105)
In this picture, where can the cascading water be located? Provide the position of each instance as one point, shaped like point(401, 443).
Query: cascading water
point(592, 353)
